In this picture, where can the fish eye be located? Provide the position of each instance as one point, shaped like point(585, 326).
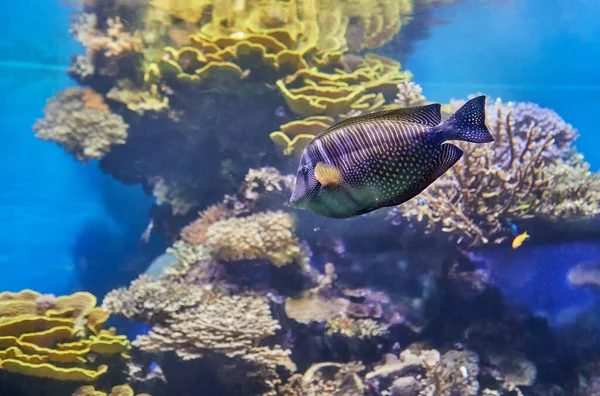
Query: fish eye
point(303, 169)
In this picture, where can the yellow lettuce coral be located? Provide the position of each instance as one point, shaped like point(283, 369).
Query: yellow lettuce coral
point(329, 24)
point(53, 337)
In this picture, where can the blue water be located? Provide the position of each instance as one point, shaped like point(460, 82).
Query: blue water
point(64, 225)
point(542, 51)
point(61, 222)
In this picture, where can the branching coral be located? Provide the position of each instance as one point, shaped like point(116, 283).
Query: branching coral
point(104, 48)
point(196, 322)
point(80, 121)
point(152, 302)
point(409, 94)
point(523, 174)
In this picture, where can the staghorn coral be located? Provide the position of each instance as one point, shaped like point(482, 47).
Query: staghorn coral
point(57, 338)
point(574, 191)
point(409, 94)
point(267, 236)
point(80, 121)
point(259, 182)
point(522, 175)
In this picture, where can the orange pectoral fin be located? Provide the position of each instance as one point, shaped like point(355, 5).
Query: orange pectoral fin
point(328, 175)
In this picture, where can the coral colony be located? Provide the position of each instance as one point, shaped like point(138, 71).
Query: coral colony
point(207, 104)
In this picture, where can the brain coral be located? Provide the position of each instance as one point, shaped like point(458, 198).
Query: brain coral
point(265, 235)
point(80, 121)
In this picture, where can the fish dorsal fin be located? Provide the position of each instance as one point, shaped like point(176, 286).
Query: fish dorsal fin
point(428, 115)
point(449, 155)
point(328, 175)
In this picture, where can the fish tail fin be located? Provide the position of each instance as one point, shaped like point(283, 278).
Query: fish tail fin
point(468, 123)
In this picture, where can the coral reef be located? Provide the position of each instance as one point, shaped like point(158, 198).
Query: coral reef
point(180, 98)
point(57, 339)
point(354, 23)
point(361, 318)
point(79, 120)
point(119, 390)
point(198, 322)
point(529, 172)
point(264, 235)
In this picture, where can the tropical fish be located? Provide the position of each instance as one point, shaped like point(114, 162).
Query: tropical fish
point(383, 159)
point(519, 239)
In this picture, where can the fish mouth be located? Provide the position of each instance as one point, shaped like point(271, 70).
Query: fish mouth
point(296, 201)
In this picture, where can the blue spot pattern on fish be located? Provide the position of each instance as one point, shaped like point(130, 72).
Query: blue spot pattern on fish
point(383, 159)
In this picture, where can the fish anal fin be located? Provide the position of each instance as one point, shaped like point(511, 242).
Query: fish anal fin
point(328, 175)
point(428, 115)
point(449, 155)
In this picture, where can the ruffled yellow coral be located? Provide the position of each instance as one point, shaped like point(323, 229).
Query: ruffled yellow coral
point(138, 100)
point(295, 135)
point(48, 338)
point(324, 98)
point(226, 59)
point(330, 24)
point(267, 235)
point(120, 390)
point(78, 120)
point(310, 92)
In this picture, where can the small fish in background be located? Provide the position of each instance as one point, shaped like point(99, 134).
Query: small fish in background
point(513, 228)
point(147, 233)
point(155, 372)
point(383, 159)
point(519, 239)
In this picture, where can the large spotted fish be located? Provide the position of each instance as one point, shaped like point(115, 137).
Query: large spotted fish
point(383, 159)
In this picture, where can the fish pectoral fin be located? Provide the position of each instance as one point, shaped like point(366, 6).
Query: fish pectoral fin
point(449, 155)
point(428, 115)
point(328, 175)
